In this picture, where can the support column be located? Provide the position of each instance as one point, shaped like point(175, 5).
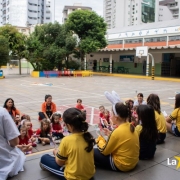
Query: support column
point(147, 66)
point(85, 63)
point(152, 68)
point(110, 65)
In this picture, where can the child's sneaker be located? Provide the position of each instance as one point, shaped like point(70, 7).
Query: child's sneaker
point(28, 152)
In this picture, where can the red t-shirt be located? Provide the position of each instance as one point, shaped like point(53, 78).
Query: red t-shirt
point(80, 107)
point(56, 127)
point(101, 115)
point(23, 141)
point(30, 133)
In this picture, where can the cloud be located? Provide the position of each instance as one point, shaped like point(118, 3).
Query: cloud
point(96, 5)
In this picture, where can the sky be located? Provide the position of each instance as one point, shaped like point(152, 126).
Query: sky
point(96, 5)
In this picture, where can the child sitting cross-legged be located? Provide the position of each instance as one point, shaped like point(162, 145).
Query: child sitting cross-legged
point(24, 144)
point(44, 132)
point(148, 132)
point(57, 130)
point(74, 157)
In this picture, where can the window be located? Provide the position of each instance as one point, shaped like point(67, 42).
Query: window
point(156, 39)
point(174, 38)
point(129, 41)
point(115, 42)
point(47, 18)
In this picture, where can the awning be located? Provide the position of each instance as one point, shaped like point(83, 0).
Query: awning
point(127, 49)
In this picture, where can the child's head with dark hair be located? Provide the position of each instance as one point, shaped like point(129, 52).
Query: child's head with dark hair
point(140, 97)
point(177, 101)
point(129, 103)
point(123, 113)
point(149, 128)
point(48, 98)
point(79, 100)
point(45, 127)
point(56, 117)
point(154, 101)
point(75, 122)
point(9, 103)
point(102, 109)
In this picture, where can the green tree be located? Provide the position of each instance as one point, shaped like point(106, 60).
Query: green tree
point(90, 29)
point(16, 42)
point(4, 50)
point(48, 45)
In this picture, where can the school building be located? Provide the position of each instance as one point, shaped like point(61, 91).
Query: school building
point(162, 39)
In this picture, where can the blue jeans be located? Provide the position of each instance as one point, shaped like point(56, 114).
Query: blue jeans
point(48, 162)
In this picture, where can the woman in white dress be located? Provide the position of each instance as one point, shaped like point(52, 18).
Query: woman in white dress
point(11, 158)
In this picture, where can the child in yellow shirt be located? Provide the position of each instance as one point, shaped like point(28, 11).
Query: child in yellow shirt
point(172, 127)
point(121, 151)
point(74, 158)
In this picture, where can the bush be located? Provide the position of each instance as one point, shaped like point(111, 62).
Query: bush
point(73, 65)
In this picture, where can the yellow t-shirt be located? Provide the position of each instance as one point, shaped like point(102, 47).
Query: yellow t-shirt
point(79, 164)
point(138, 129)
point(161, 122)
point(175, 115)
point(123, 145)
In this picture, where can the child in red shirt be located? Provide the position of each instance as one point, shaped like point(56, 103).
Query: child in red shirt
point(30, 132)
point(44, 132)
point(56, 128)
point(24, 144)
point(80, 106)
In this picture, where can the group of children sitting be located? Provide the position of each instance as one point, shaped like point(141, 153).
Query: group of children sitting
point(133, 129)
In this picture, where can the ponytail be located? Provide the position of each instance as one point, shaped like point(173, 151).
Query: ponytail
point(77, 119)
point(124, 112)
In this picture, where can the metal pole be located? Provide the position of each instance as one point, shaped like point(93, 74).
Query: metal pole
point(110, 65)
point(147, 66)
point(152, 68)
point(85, 63)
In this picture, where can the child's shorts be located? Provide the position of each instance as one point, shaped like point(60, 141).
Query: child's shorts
point(175, 130)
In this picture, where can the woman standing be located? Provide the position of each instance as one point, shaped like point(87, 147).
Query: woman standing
point(47, 108)
point(13, 111)
point(175, 115)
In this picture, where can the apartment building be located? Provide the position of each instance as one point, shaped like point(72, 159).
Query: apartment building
point(26, 12)
point(121, 13)
point(169, 9)
point(69, 9)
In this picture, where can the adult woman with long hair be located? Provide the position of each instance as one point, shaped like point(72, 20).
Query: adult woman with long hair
point(175, 115)
point(154, 101)
point(13, 111)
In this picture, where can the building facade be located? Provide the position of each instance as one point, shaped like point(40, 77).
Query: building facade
point(169, 9)
point(26, 12)
point(162, 40)
point(122, 13)
point(69, 9)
